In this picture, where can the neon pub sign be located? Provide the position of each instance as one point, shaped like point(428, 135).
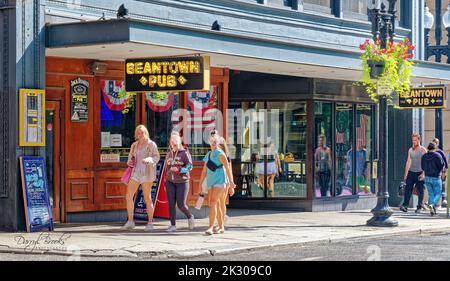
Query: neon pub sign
point(424, 97)
point(167, 74)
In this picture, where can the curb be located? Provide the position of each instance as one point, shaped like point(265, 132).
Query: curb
point(208, 252)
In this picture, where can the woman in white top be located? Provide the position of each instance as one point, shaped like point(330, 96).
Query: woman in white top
point(143, 158)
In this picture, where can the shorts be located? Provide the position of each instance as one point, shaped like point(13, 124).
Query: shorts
point(138, 178)
point(271, 168)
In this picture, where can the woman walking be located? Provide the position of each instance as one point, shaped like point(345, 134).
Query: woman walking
point(178, 165)
point(229, 189)
point(143, 157)
point(215, 170)
point(432, 165)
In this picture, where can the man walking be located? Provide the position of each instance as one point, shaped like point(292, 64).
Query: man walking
point(414, 173)
point(444, 171)
point(432, 165)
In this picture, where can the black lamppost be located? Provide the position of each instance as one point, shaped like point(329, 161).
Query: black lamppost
point(383, 29)
point(438, 51)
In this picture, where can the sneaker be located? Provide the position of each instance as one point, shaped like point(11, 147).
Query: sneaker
point(149, 227)
point(191, 222)
point(418, 210)
point(432, 210)
point(427, 206)
point(172, 229)
point(403, 209)
point(444, 204)
point(129, 225)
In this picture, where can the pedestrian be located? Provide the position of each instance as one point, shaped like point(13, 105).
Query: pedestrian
point(143, 158)
point(323, 160)
point(229, 189)
point(414, 173)
point(215, 171)
point(178, 167)
point(432, 165)
point(444, 171)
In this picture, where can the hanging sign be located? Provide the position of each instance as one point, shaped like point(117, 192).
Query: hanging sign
point(79, 89)
point(424, 97)
point(31, 117)
point(167, 74)
point(38, 212)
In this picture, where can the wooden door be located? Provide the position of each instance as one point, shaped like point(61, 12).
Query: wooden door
point(53, 156)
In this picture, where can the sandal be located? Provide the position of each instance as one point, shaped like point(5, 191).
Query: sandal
point(219, 231)
point(209, 232)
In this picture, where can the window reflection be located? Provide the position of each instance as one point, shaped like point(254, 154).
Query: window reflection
point(323, 156)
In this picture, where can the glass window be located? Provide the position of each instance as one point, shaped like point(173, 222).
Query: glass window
point(321, 6)
point(355, 9)
point(118, 121)
point(204, 113)
point(343, 149)
point(268, 147)
point(323, 154)
point(364, 123)
point(159, 117)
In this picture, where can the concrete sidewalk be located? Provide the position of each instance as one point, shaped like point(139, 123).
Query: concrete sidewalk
point(246, 230)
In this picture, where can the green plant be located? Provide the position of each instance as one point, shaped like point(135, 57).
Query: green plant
point(395, 78)
point(130, 99)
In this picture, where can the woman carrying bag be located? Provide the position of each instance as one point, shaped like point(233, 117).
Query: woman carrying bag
point(143, 158)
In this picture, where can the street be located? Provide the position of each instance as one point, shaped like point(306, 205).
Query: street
point(433, 246)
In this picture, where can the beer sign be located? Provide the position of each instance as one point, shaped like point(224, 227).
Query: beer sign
point(167, 74)
point(424, 97)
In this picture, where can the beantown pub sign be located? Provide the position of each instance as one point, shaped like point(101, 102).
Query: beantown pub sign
point(167, 74)
point(424, 97)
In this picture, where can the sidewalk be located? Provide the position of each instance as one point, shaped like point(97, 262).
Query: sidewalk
point(246, 230)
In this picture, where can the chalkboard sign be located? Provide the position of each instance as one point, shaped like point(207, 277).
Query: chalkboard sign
point(140, 208)
point(38, 212)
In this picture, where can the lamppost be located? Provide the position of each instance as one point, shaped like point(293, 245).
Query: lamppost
point(438, 51)
point(383, 29)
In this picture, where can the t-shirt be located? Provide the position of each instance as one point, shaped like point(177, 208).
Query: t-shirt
point(218, 176)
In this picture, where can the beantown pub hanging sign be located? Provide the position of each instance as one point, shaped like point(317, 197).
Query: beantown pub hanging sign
point(167, 74)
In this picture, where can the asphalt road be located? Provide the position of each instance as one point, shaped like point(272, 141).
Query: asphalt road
point(414, 247)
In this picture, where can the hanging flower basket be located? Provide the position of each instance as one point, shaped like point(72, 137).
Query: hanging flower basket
point(386, 71)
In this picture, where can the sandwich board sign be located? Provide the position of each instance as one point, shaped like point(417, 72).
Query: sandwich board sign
point(38, 212)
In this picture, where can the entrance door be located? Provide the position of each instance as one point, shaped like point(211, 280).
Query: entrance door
point(53, 156)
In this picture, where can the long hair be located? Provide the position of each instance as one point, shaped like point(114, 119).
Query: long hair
point(224, 146)
point(144, 131)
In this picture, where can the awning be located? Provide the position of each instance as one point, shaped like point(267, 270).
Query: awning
point(125, 38)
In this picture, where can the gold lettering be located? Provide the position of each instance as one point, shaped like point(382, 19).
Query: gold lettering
point(173, 67)
point(156, 68)
point(171, 81)
point(162, 81)
point(130, 68)
point(147, 68)
point(152, 80)
point(194, 67)
point(165, 64)
point(139, 68)
point(183, 67)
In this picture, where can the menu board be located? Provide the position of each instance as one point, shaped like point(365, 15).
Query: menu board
point(157, 194)
point(79, 89)
point(32, 117)
point(38, 212)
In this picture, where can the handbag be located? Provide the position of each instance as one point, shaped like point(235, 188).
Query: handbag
point(127, 174)
point(211, 165)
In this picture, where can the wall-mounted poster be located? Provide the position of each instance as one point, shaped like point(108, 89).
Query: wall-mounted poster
point(31, 117)
point(38, 212)
point(79, 90)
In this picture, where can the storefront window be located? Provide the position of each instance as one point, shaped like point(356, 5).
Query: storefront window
point(268, 144)
point(159, 118)
point(117, 126)
point(343, 149)
point(203, 117)
point(323, 153)
point(364, 123)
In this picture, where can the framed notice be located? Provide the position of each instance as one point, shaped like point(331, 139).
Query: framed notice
point(79, 90)
point(38, 212)
point(31, 117)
